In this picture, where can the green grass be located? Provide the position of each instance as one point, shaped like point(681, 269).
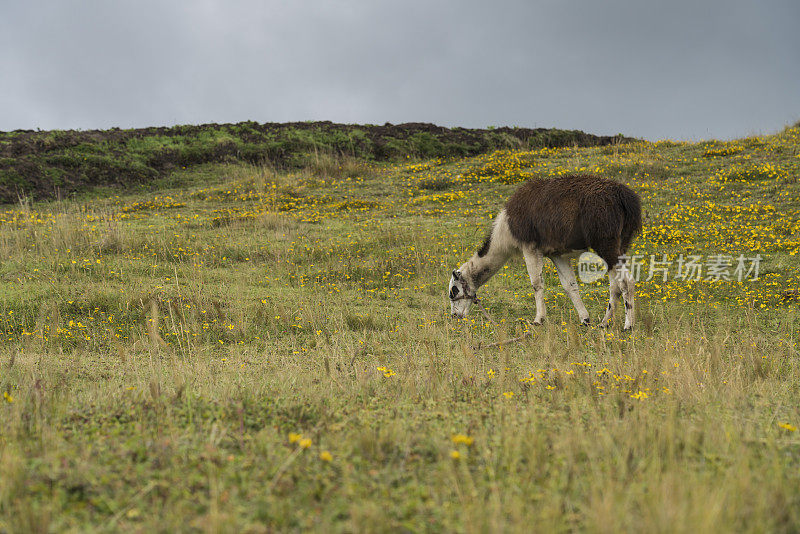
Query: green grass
point(163, 349)
point(60, 164)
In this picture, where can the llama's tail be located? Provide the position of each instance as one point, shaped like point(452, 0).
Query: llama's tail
point(632, 216)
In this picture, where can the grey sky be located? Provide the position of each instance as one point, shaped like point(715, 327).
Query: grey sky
point(655, 69)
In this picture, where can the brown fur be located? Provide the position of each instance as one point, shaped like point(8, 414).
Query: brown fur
point(486, 244)
point(576, 212)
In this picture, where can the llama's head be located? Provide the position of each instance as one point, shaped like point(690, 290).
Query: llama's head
point(461, 294)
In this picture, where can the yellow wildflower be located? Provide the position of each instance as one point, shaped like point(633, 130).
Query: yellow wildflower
point(386, 371)
point(461, 438)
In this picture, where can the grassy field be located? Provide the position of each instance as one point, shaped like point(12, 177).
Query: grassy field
point(264, 350)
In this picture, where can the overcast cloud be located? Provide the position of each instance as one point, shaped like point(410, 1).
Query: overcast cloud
point(678, 69)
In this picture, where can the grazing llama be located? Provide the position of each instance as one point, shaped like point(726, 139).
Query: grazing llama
point(558, 218)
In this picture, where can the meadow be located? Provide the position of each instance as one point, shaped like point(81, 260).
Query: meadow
point(253, 348)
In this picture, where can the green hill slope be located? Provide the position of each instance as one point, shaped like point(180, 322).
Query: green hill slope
point(57, 163)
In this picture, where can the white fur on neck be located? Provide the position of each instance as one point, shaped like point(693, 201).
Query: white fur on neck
point(478, 270)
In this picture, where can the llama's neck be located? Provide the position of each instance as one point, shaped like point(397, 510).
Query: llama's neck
point(494, 253)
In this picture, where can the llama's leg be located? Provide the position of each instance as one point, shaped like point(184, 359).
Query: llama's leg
point(610, 252)
point(534, 261)
point(567, 278)
point(628, 288)
point(614, 292)
point(620, 284)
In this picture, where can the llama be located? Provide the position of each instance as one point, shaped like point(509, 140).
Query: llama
point(558, 218)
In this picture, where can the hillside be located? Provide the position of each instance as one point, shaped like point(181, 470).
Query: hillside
point(247, 346)
point(56, 164)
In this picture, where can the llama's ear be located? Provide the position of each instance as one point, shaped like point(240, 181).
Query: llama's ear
point(456, 275)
